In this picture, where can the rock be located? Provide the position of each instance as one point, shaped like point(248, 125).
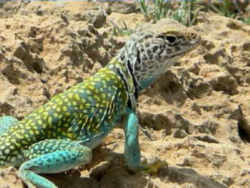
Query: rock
point(219, 79)
point(208, 127)
point(6, 108)
point(245, 172)
point(97, 18)
point(122, 7)
point(98, 171)
point(32, 61)
point(156, 121)
point(244, 124)
point(207, 138)
point(191, 176)
point(179, 134)
point(227, 181)
point(224, 82)
point(195, 86)
point(245, 182)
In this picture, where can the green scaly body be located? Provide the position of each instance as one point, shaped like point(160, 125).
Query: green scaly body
point(85, 112)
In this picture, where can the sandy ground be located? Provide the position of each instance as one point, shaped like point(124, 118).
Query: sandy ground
point(198, 113)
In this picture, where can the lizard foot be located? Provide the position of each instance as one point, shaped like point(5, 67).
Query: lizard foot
point(151, 165)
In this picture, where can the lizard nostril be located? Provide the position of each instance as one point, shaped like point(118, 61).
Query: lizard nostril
point(194, 37)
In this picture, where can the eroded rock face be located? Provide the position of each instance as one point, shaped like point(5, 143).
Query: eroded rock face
point(197, 114)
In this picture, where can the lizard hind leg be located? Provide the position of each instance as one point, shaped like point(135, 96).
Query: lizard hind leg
point(52, 156)
point(6, 122)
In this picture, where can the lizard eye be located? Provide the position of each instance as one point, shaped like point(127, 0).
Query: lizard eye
point(171, 39)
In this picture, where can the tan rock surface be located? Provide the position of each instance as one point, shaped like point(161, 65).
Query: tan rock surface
point(198, 113)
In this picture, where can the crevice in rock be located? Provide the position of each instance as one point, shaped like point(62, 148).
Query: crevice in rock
point(244, 135)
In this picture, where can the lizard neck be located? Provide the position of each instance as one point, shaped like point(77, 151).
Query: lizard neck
point(127, 78)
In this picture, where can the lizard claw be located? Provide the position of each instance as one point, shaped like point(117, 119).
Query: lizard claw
point(152, 165)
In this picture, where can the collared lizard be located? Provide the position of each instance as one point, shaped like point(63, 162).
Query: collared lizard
point(61, 134)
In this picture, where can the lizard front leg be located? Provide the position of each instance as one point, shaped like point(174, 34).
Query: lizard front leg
point(132, 149)
point(52, 156)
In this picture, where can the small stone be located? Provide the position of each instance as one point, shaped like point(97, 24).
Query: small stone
point(99, 170)
point(227, 181)
point(179, 133)
point(207, 138)
point(245, 172)
point(122, 7)
point(187, 161)
point(97, 18)
point(208, 127)
point(2, 173)
point(245, 182)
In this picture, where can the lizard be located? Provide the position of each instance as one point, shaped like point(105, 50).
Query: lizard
point(62, 133)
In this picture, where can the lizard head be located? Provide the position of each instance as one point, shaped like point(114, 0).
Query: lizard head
point(148, 55)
